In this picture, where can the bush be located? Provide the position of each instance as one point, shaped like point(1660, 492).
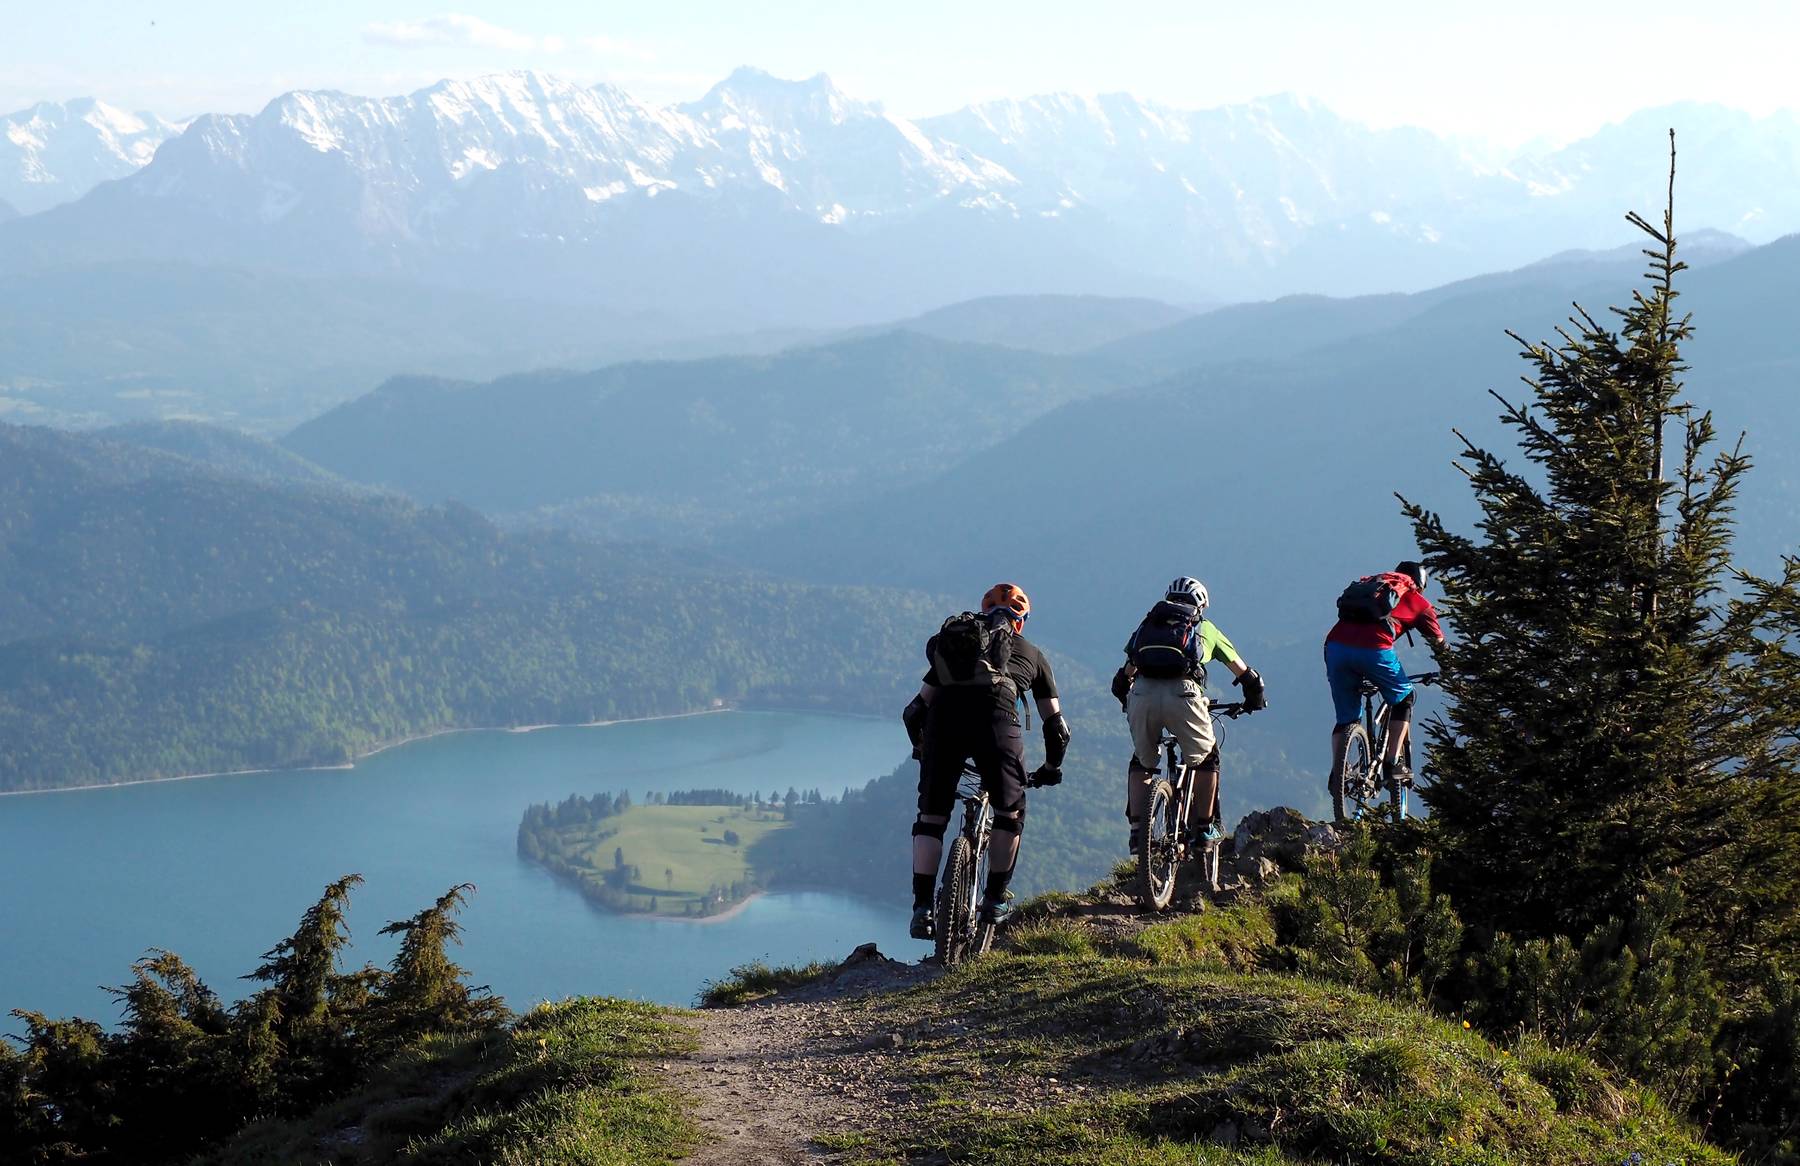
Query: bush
point(756, 980)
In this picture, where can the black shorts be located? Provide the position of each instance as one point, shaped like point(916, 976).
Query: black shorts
point(958, 730)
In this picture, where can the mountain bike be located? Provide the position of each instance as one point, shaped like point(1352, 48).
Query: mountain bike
point(960, 932)
point(1163, 834)
point(1356, 791)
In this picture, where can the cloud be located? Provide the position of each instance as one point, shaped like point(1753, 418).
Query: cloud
point(460, 30)
point(452, 28)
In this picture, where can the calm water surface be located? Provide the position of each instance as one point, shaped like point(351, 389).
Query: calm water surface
point(220, 869)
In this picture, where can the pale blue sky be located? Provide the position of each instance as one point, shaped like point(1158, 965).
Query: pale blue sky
point(1511, 72)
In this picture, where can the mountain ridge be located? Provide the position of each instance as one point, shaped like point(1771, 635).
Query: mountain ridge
point(770, 203)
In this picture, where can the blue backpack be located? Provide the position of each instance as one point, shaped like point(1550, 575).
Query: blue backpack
point(1162, 645)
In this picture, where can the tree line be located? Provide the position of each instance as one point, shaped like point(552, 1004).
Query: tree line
point(183, 1071)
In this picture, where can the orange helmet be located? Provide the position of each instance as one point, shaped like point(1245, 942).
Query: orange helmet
point(1009, 596)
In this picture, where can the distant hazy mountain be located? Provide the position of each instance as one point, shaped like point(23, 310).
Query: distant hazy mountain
point(772, 203)
point(7, 211)
point(676, 450)
point(262, 350)
point(55, 152)
point(226, 452)
point(1059, 324)
point(1295, 324)
point(1271, 473)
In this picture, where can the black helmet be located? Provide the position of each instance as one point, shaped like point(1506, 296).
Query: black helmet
point(1415, 569)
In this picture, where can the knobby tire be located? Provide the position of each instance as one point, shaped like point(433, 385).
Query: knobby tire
point(1157, 859)
point(1349, 799)
point(955, 922)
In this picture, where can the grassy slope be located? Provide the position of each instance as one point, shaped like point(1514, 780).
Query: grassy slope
point(1165, 1046)
point(569, 1083)
point(1080, 1046)
point(687, 842)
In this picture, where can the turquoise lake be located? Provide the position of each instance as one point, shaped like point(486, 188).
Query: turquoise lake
point(219, 869)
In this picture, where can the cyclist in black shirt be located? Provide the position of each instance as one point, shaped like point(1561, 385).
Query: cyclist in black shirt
point(953, 721)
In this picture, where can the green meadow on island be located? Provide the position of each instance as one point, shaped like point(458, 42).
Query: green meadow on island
point(687, 854)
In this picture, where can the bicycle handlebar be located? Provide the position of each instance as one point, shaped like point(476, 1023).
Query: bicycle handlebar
point(1233, 709)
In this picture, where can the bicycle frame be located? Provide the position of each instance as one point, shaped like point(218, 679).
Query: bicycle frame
point(959, 932)
point(1180, 777)
point(1376, 721)
point(978, 813)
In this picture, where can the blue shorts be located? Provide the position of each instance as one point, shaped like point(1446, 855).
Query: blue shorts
point(1346, 667)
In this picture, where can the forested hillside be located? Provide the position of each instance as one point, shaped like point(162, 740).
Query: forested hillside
point(162, 620)
point(674, 450)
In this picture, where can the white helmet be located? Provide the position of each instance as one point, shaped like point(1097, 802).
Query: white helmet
point(1188, 590)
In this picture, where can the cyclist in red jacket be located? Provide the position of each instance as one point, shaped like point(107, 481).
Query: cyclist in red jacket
point(1363, 649)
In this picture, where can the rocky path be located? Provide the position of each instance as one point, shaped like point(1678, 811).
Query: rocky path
point(771, 1077)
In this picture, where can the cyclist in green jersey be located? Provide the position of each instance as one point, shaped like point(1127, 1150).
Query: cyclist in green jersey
point(1162, 687)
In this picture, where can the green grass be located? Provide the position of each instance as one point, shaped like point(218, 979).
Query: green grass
point(1229, 940)
point(757, 980)
point(680, 851)
point(1168, 1058)
point(568, 1083)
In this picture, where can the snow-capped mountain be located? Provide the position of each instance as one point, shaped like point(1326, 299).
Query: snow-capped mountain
point(769, 201)
point(57, 152)
point(833, 156)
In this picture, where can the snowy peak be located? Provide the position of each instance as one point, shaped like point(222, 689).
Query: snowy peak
point(56, 152)
point(753, 96)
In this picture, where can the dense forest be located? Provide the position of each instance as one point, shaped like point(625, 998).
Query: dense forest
point(161, 619)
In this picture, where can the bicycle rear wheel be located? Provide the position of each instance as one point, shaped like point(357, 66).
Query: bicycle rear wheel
point(956, 904)
point(1351, 790)
point(1158, 847)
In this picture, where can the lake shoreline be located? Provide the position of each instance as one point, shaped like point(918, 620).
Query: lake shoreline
point(368, 753)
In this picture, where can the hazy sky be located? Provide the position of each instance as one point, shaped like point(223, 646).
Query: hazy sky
point(1530, 68)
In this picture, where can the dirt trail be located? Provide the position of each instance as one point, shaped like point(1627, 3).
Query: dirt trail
point(771, 1076)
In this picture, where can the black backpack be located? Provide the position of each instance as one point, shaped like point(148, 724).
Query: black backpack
point(1373, 598)
point(1160, 646)
point(971, 651)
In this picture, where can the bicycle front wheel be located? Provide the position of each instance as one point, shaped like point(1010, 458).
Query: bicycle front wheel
point(1158, 847)
point(956, 904)
point(1351, 789)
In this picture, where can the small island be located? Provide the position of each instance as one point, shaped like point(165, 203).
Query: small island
point(686, 854)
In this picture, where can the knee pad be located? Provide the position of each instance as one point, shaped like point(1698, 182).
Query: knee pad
point(1009, 823)
point(923, 829)
point(1401, 713)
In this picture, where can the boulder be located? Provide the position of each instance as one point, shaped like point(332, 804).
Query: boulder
point(1281, 838)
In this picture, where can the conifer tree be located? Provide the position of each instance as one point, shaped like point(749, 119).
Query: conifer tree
point(424, 989)
point(1624, 700)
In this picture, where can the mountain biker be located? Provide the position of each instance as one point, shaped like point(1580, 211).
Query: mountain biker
point(976, 717)
point(1162, 686)
point(1360, 646)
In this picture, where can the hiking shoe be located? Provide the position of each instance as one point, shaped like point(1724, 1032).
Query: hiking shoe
point(1397, 771)
point(994, 913)
point(1212, 834)
point(921, 923)
point(1131, 842)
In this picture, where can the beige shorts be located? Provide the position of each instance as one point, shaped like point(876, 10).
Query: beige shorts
point(1175, 706)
